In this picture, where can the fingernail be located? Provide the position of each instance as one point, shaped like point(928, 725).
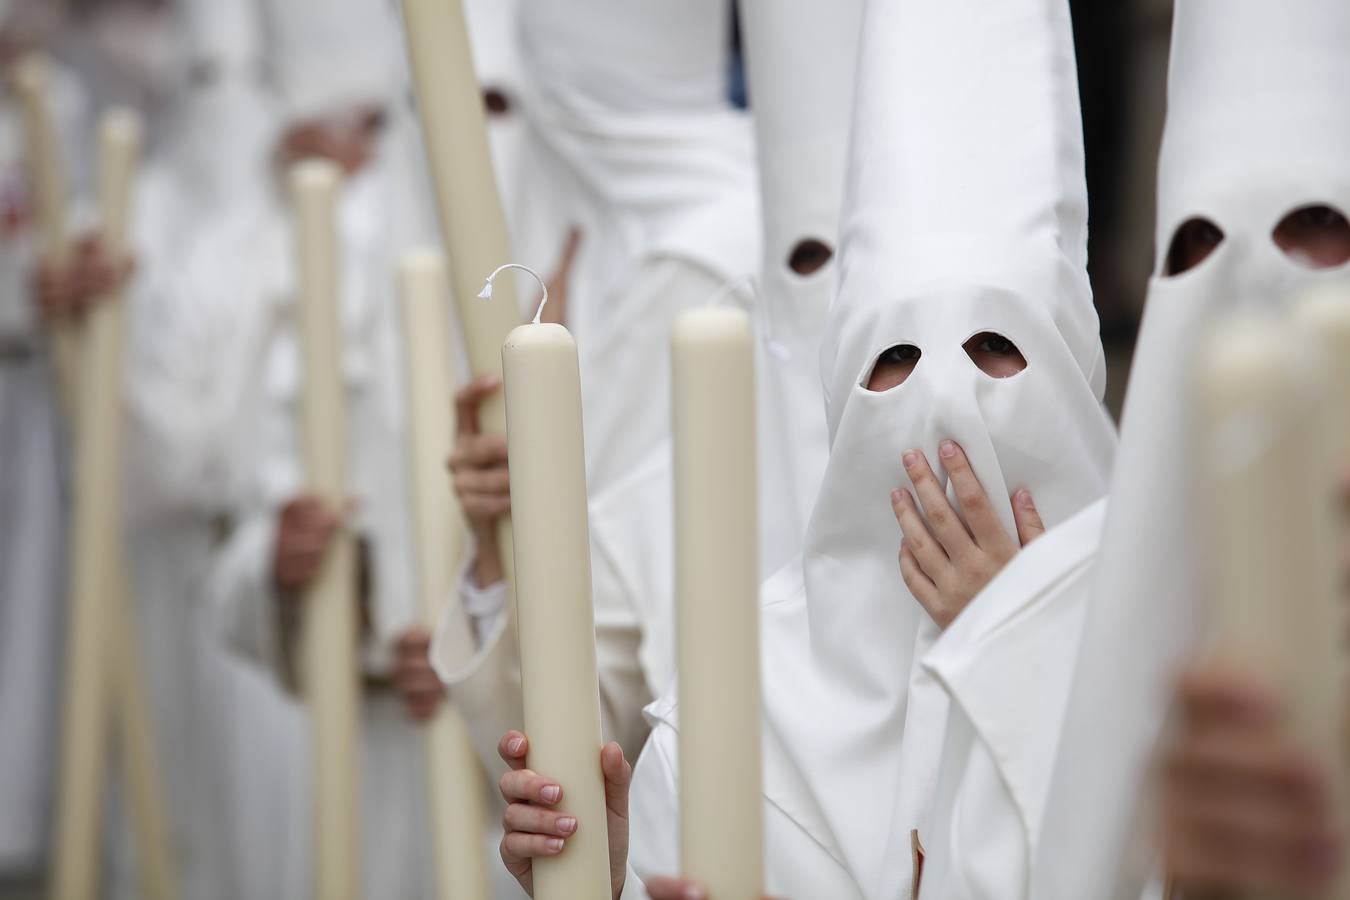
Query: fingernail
point(897, 497)
point(554, 845)
point(567, 825)
point(694, 893)
point(947, 449)
point(1024, 499)
point(551, 793)
point(911, 459)
point(515, 745)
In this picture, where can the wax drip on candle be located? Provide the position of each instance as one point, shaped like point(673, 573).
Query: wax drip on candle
point(776, 349)
point(486, 292)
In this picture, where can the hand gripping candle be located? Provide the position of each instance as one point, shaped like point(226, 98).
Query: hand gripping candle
point(455, 780)
point(473, 226)
point(555, 619)
point(329, 677)
point(97, 569)
point(1267, 460)
point(717, 603)
point(42, 152)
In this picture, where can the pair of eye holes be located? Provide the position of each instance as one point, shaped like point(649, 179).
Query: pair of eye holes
point(1315, 237)
point(992, 353)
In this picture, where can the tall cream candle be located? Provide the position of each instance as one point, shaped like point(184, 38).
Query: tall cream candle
point(1273, 579)
point(455, 779)
point(138, 750)
point(473, 226)
point(553, 598)
point(97, 564)
point(42, 152)
point(329, 673)
point(717, 603)
point(1323, 317)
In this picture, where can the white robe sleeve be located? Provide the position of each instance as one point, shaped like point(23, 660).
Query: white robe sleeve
point(1006, 664)
point(653, 813)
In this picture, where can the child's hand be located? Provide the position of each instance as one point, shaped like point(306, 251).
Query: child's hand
point(416, 682)
point(534, 829)
point(944, 563)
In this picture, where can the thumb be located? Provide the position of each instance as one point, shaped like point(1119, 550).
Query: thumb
point(469, 398)
point(1029, 524)
point(618, 776)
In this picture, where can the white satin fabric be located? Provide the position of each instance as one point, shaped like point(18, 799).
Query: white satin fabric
point(1256, 129)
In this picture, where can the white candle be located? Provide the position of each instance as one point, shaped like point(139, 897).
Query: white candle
point(96, 599)
point(42, 151)
point(717, 603)
point(138, 751)
point(329, 675)
point(473, 226)
point(553, 598)
point(1265, 412)
point(455, 780)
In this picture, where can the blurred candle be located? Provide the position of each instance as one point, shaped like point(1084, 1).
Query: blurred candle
point(97, 567)
point(553, 598)
point(329, 675)
point(456, 781)
point(717, 603)
point(473, 226)
point(42, 151)
point(1266, 410)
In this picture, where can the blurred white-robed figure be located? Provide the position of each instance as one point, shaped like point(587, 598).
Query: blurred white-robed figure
point(631, 141)
point(1255, 152)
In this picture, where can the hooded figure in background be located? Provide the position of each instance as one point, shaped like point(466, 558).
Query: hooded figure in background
point(1255, 160)
point(339, 74)
point(631, 136)
point(32, 542)
point(229, 743)
point(801, 66)
point(963, 248)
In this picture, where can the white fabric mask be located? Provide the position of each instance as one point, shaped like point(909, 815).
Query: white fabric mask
point(1256, 129)
point(966, 213)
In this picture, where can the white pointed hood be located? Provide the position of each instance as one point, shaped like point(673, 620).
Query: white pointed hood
point(801, 63)
point(1256, 128)
point(326, 56)
point(965, 212)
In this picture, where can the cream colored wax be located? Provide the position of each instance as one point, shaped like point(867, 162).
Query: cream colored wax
point(456, 781)
point(473, 226)
point(98, 605)
point(553, 598)
point(1267, 461)
point(329, 675)
point(717, 608)
point(42, 152)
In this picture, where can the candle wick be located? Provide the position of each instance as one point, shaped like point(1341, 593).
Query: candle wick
point(486, 292)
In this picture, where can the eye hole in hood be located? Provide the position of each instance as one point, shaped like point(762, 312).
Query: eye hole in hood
point(995, 355)
point(1315, 237)
point(809, 256)
point(893, 367)
point(1192, 244)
